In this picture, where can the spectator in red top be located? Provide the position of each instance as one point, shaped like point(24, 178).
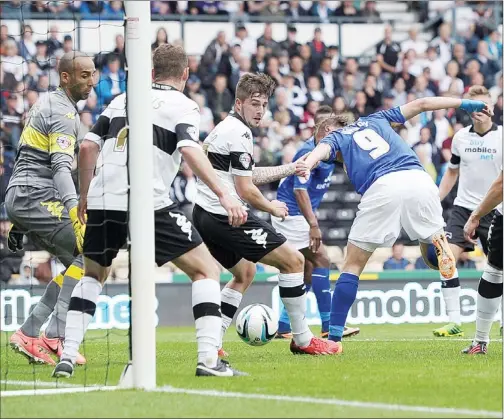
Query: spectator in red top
point(318, 48)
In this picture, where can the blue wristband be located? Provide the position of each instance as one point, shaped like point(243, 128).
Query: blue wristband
point(470, 106)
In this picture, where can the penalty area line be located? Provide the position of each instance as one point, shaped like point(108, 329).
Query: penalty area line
point(55, 391)
point(333, 402)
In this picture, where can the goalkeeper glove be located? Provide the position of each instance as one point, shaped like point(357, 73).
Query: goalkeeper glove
point(471, 106)
point(78, 228)
point(15, 239)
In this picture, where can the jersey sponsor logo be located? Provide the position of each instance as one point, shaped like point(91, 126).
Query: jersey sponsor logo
point(245, 160)
point(193, 133)
point(448, 234)
point(122, 137)
point(63, 141)
point(258, 235)
point(184, 224)
point(54, 208)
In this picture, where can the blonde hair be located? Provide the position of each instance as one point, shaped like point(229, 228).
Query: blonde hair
point(478, 91)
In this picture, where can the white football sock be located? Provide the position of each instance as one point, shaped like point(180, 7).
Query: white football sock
point(206, 301)
point(81, 310)
point(230, 301)
point(292, 293)
point(485, 316)
point(451, 296)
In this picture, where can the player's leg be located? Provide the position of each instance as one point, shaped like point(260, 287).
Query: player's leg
point(106, 233)
point(450, 287)
point(39, 214)
point(178, 241)
point(232, 294)
point(489, 290)
point(320, 283)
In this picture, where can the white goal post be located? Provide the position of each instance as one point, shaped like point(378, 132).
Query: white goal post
point(141, 372)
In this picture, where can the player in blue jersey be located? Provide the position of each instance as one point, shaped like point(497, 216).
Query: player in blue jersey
point(301, 228)
point(396, 192)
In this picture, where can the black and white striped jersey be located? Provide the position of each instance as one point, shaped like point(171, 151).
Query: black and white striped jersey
point(229, 148)
point(176, 121)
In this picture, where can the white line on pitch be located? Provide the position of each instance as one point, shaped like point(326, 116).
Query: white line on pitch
point(53, 391)
point(334, 402)
point(37, 383)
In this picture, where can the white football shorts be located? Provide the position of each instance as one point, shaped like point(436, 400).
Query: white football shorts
point(407, 199)
point(295, 229)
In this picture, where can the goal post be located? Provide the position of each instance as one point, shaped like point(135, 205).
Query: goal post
point(141, 372)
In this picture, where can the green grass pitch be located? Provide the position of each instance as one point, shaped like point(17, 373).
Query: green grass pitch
point(389, 365)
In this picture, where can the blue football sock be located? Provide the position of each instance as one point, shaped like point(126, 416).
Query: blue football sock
point(321, 287)
point(284, 322)
point(343, 298)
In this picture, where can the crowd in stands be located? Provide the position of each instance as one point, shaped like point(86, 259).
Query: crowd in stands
point(308, 75)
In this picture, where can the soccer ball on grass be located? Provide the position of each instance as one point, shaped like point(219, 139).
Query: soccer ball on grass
point(256, 324)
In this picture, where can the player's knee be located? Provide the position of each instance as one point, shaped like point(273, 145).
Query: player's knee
point(321, 260)
point(246, 274)
point(492, 275)
point(293, 262)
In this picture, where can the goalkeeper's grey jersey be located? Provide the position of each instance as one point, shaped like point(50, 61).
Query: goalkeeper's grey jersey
point(176, 121)
point(46, 148)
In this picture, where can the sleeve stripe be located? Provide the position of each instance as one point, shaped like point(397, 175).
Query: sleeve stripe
point(241, 172)
point(219, 161)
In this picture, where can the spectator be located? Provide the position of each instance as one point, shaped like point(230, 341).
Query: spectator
point(119, 51)
point(53, 72)
point(397, 261)
point(465, 262)
point(317, 47)
point(290, 44)
point(496, 89)
point(296, 65)
point(67, 44)
point(333, 54)
point(388, 52)
point(348, 90)
point(280, 130)
point(498, 111)
point(471, 69)
point(161, 38)
point(388, 102)
point(374, 97)
point(347, 9)
point(43, 85)
point(420, 263)
point(370, 12)
point(328, 79)
point(31, 97)
point(229, 61)
point(435, 64)
point(413, 126)
point(42, 58)
point(12, 120)
point(244, 66)
point(248, 44)
point(440, 127)
point(452, 71)
point(444, 43)
point(405, 74)
point(12, 62)
point(283, 63)
point(89, 8)
point(294, 11)
point(266, 39)
point(220, 100)
point(315, 92)
point(309, 115)
point(214, 53)
point(273, 69)
point(7, 81)
point(420, 89)
point(282, 104)
point(494, 41)
point(53, 43)
point(399, 92)
point(27, 47)
point(310, 66)
point(114, 10)
point(9, 262)
point(112, 81)
point(259, 60)
point(296, 98)
point(272, 8)
point(419, 46)
point(4, 35)
point(424, 150)
point(207, 119)
point(321, 10)
point(340, 108)
point(352, 67)
point(361, 106)
point(193, 87)
point(488, 67)
point(459, 55)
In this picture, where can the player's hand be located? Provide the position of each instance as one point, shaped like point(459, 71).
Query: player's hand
point(475, 107)
point(14, 239)
point(82, 209)
point(301, 167)
point(237, 214)
point(315, 238)
point(78, 228)
point(470, 229)
point(279, 209)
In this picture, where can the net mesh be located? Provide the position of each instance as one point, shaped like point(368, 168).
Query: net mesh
point(35, 35)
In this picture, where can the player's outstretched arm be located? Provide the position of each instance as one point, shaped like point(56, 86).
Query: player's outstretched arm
point(88, 155)
point(492, 198)
point(426, 104)
point(263, 175)
point(321, 153)
point(201, 166)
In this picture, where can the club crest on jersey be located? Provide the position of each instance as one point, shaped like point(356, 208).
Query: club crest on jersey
point(64, 142)
point(192, 131)
point(245, 160)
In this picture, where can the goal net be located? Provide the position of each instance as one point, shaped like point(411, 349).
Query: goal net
point(37, 280)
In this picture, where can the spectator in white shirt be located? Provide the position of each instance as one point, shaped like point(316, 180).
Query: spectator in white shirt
point(414, 43)
point(496, 90)
point(399, 92)
point(413, 126)
point(248, 44)
point(444, 43)
point(435, 64)
point(452, 70)
point(12, 62)
point(207, 120)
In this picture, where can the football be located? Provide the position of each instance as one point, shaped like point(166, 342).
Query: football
point(256, 324)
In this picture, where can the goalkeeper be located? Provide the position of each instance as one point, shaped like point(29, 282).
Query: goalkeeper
point(41, 202)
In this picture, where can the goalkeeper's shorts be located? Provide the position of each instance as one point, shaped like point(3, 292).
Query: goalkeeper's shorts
point(107, 232)
point(40, 215)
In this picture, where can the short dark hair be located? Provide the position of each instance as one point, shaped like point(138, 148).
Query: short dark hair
point(169, 61)
point(67, 61)
point(252, 84)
